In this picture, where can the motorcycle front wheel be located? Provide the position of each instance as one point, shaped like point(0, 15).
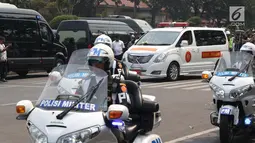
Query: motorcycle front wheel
point(226, 129)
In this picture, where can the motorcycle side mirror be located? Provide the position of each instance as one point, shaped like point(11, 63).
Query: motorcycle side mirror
point(117, 112)
point(23, 108)
point(132, 75)
point(55, 76)
point(206, 75)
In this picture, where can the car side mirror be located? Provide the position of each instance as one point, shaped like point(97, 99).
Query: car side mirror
point(206, 75)
point(23, 108)
point(57, 37)
point(184, 43)
point(117, 112)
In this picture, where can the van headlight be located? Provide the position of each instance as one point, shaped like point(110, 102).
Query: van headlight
point(161, 58)
point(235, 93)
point(81, 136)
point(217, 90)
point(37, 135)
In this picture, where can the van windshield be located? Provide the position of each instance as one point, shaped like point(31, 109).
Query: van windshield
point(158, 38)
point(77, 37)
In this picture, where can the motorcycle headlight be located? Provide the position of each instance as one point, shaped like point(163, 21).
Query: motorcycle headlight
point(81, 136)
point(235, 93)
point(218, 91)
point(161, 57)
point(37, 135)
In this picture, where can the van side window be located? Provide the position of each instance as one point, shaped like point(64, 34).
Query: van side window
point(19, 30)
point(209, 37)
point(186, 36)
point(45, 32)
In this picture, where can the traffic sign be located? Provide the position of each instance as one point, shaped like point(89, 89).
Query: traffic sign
point(237, 14)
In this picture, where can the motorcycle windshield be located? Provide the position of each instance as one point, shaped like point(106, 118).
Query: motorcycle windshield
point(231, 63)
point(55, 95)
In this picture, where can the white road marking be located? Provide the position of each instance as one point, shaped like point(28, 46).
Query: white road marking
point(30, 82)
point(206, 89)
point(169, 84)
point(17, 85)
point(40, 82)
point(8, 86)
point(193, 135)
point(186, 85)
point(195, 87)
point(9, 104)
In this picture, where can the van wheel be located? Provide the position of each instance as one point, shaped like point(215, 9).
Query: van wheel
point(22, 73)
point(59, 62)
point(173, 71)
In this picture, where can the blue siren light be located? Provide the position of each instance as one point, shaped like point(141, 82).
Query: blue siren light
point(118, 123)
point(38, 17)
point(247, 121)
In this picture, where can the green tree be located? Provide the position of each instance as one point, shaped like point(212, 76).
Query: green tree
point(156, 6)
point(86, 8)
point(19, 3)
point(56, 20)
point(194, 21)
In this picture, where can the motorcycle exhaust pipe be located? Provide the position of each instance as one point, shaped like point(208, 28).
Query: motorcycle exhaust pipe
point(214, 118)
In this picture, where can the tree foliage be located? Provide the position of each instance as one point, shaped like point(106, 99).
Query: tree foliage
point(56, 21)
point(216, 11)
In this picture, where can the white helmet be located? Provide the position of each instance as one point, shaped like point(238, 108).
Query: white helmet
point(248, 47)
point(228, 33)
point(104, 39)
point(101, 53)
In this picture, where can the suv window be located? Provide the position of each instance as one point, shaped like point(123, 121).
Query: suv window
point(46, 32)
point(209, 37)
point(19, 30)
point(186, 36)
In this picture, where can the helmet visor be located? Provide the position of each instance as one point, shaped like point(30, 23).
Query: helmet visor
point(98, 62)
point(248, 52)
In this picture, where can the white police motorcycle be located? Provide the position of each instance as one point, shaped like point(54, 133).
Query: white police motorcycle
point(233, 95)
point(59, 116)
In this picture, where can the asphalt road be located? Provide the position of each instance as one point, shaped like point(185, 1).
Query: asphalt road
point(185, 107)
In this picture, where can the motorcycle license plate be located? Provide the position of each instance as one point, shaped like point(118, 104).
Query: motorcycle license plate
point(225, 111)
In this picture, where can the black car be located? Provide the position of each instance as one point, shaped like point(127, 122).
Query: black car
point(79, 34)
point(34, 46)
point(138, 25)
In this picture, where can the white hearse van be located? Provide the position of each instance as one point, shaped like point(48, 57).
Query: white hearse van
point(174, 51)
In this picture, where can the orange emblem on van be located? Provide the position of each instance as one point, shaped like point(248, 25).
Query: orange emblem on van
point(211, 54)
point(144, 49)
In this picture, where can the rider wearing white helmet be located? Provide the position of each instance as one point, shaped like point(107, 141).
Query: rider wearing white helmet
point(248, 47)
point(102, 56)
point(103, 39)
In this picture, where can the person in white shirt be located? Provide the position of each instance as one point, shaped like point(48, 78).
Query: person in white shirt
point(118, 47)
point(3, 59)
